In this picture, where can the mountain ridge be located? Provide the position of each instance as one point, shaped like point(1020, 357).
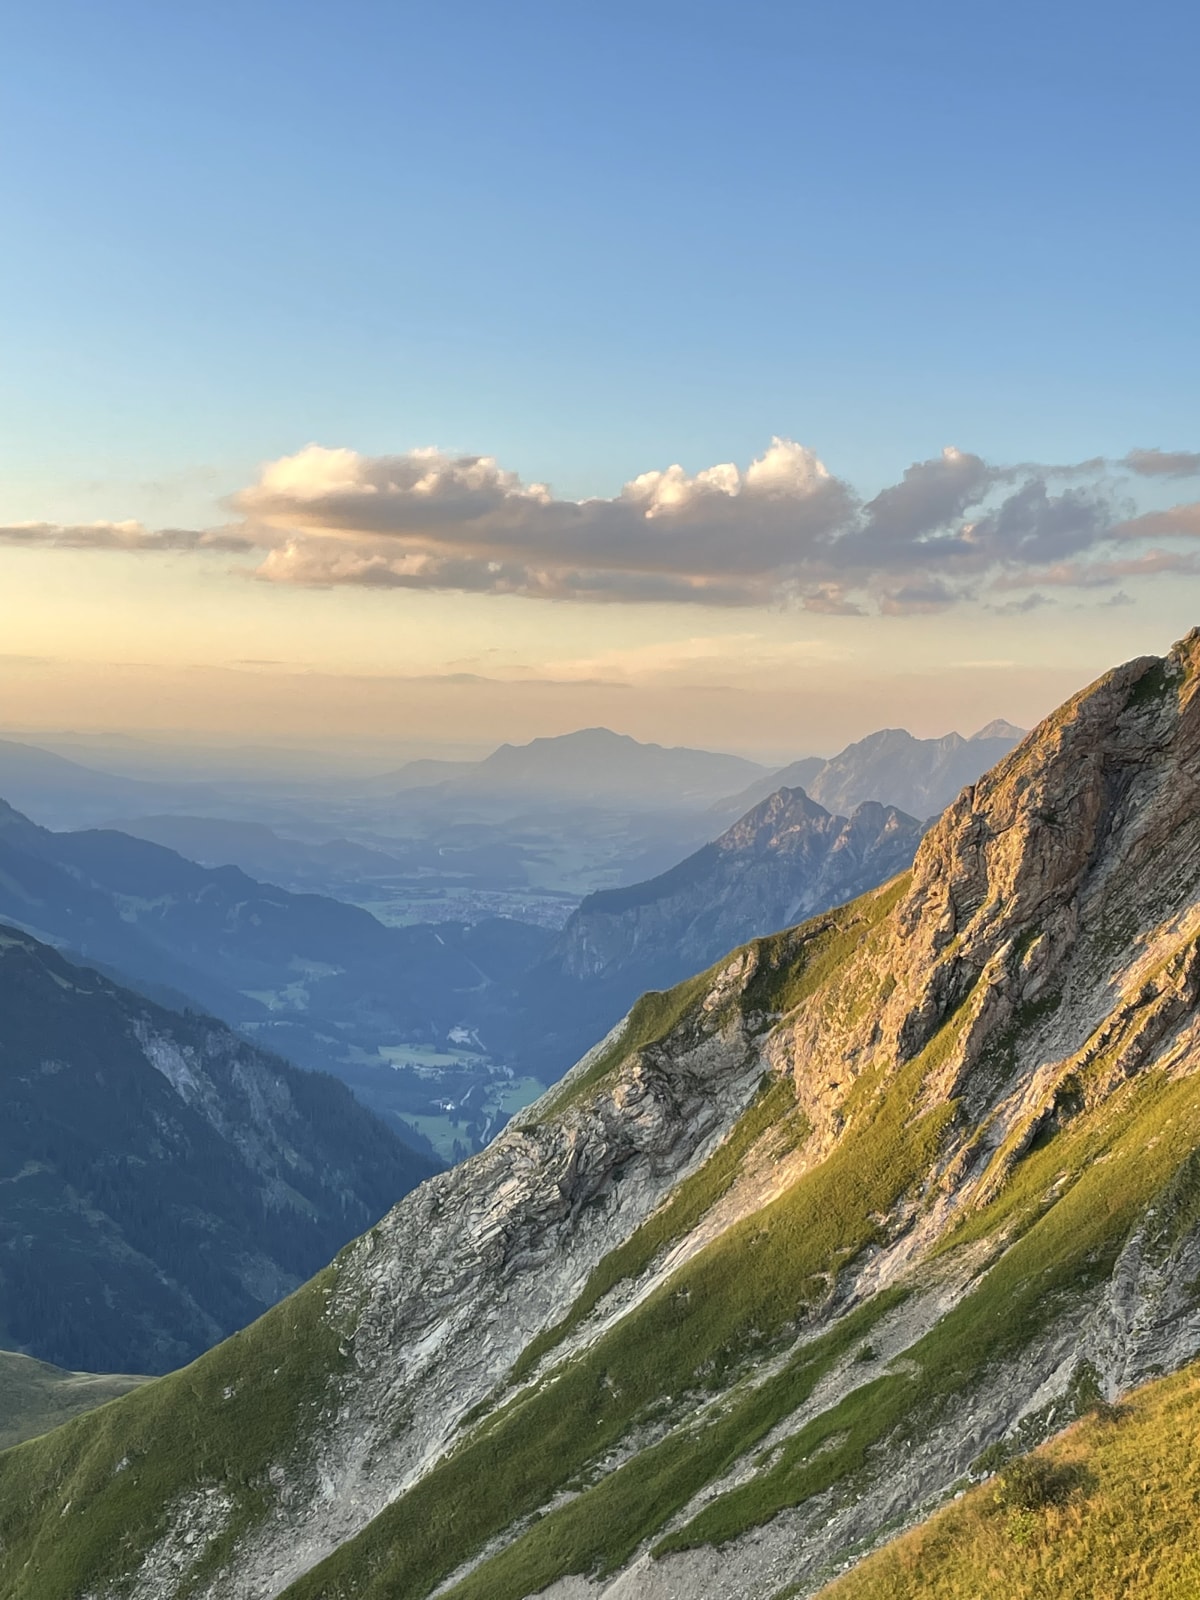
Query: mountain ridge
point(892, 766)
point(587, 762)
point(782, 862)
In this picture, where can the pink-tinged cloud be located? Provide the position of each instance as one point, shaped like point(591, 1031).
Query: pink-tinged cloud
point(783, 530)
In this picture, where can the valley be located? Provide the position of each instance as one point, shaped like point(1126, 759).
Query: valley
point(427, 954)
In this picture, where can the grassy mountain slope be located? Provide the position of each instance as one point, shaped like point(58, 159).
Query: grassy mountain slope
point(1106, 1511)
point(35, 1396)
point(762, 1278)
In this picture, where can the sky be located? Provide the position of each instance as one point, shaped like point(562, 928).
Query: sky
point(746, 376)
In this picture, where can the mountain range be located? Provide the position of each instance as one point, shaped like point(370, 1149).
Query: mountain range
point(920, 776)
point(783, 861)
point(445, 1028)
point(162, 1182)
point(323, 982)
point(806, 1244)
point(589, 764)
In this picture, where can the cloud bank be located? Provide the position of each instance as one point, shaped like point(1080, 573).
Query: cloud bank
point(783, 530)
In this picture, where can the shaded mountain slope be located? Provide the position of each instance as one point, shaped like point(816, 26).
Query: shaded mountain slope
point(324, 982)
point(161, 1181)
point(70, 794)
point(765, 1275)
point(785, 860)
point(261, 852)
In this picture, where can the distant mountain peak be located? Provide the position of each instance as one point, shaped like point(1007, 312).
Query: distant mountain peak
point(998, 728)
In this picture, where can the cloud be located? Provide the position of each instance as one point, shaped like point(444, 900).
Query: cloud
point(781, 531)
point(1179, 521)
point(930, 495)
point(1102, 574)
point(919, 598)
point(426, 520)
point(1163, 463)
point(130, 536)
point(1029, 602)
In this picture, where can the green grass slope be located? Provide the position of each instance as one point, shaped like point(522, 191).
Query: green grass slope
point(35, 1396)
point(1109, 1510)
point(79, 1507)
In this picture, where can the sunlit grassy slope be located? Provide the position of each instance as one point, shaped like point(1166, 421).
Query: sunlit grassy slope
point(1110, 1511)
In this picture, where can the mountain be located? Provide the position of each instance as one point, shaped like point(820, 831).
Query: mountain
point(161, 1181)
point(785, 860)
point(260, 851)
point(322, 981)
point(803, 1244)
point(592, 764)
point(67, 794)
point(36, 1396)
point(920, 776)
point(798, 775)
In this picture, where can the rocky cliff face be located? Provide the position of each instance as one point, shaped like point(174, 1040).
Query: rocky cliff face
point(763, 1277)
point(787, 859)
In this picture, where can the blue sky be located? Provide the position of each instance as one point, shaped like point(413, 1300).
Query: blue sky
point(590, 240)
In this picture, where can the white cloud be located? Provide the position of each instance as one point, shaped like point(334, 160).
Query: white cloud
point(783, 530)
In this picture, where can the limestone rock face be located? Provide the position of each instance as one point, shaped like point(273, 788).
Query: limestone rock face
point(783, 1257)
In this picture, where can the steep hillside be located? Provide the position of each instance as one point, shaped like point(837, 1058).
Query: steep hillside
point(161, 1181)
point(35, 1396)
point(762, 1278)
point(1105, 1512)
point(785, 860)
